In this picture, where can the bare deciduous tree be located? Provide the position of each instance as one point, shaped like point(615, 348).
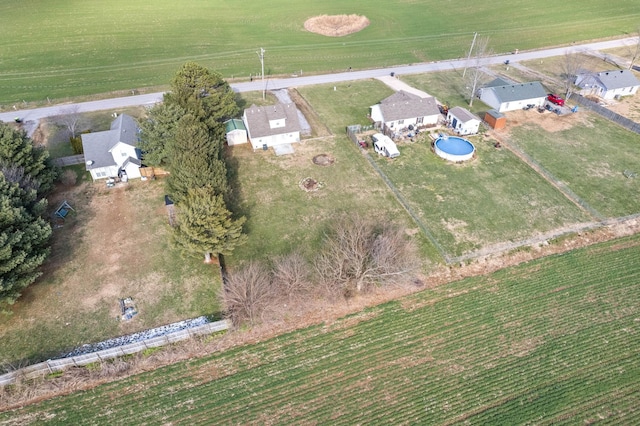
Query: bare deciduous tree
point(635, 50)
point(479, 56)
point(72, 119)
point(291, 275)
point(247, 293)
point(358, 254)
point(570, 67)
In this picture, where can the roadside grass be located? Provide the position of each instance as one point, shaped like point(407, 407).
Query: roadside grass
point(591, 160)
point(115, 244)
point(551, 341)
point(448, 87)
point(66, 49)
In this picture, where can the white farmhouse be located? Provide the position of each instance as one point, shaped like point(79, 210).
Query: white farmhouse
point(272, 125)
point(113, 153)
point(404, 109)
point(608, 84)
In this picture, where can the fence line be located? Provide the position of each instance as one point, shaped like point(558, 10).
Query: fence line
point(606, 113)
point(69, 161)
point(52, 366)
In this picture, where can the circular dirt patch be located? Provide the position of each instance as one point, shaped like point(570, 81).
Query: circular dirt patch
point(336, 25)
point(309, 184)
point(323, 160)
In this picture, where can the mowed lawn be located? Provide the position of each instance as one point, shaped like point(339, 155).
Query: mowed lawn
point(68, 48)
point(591, 160)
point(115, 244)
point(552, 341)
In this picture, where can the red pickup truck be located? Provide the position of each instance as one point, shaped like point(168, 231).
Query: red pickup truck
point(555, 99)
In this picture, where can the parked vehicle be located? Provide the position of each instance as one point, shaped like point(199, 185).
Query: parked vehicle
point(383, 145)
point(555, 99)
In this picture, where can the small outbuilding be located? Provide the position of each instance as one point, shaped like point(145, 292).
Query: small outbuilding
point(496, 120)
point(236, 132)
point(462, 121)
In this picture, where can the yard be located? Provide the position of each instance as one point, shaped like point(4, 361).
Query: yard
point(113, 245)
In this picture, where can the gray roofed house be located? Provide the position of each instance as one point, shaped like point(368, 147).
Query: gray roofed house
point(404, 109)
point(272, 125)
point(510, 97)
point(113, 153)
point(608, 84)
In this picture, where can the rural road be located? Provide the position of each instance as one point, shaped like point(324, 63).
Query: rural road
point(33, 115)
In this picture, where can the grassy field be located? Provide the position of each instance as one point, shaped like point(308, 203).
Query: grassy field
point(552, 341)
point(69, 48)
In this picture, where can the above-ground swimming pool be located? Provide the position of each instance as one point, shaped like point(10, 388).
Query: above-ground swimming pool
point(454, 148)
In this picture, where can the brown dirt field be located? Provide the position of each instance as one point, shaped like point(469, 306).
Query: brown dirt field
point(336, 25)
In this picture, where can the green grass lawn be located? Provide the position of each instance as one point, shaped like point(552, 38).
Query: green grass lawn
point(68, 48)
point(494, 198)
point(552, 341)
point(590, 159)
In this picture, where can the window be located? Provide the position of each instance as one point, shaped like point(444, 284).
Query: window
point(400, 122)
point(124, 154)
point(420, 120)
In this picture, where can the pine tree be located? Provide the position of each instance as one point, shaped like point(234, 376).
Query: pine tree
point(16, 149)
point(158, 133)
point(196, 160)
point(24, 237)
point(205, 226)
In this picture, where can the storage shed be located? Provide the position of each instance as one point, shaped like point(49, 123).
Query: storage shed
point(496, 120)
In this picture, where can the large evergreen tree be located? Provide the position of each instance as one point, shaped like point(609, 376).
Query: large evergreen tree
point(24, 237)
point(196, 160)
point(158, 133)
point(25, 177)
point(17, 150)
point(205, 226)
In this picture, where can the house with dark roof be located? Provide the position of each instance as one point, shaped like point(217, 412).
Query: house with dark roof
point(509, 97)
point(272, 125)
point(113, 153)
point(462, 121)
point(236, 132)
point(404, 109)
point(608, 84)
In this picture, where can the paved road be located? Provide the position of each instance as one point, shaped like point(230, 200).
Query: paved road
point(34, 115)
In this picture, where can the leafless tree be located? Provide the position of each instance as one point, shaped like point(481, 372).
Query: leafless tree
point(247, 293)
point(478, 57)
point(358, 254)
point(291, 275)
point(570, 67)
point(635, 50)
point(72, 119)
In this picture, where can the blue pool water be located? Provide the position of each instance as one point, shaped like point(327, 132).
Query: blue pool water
point(454, 148)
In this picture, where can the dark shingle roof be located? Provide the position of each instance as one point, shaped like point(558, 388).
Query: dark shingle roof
point(96, 146)
point(258, 118)
point(403, 105)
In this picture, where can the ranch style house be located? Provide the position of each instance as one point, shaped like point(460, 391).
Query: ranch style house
point(272, 125)
point(503, 96)
point(403, 109)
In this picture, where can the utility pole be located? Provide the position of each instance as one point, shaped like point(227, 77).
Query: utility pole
point(469, 56)
point(261, 56)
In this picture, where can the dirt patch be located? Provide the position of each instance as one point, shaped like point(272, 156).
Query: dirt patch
point(323, 160)
point(310, 184)
point(336, 25)
point(550, 121)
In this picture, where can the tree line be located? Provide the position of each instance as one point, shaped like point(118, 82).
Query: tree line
point(26, 177)
point(185, 135)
